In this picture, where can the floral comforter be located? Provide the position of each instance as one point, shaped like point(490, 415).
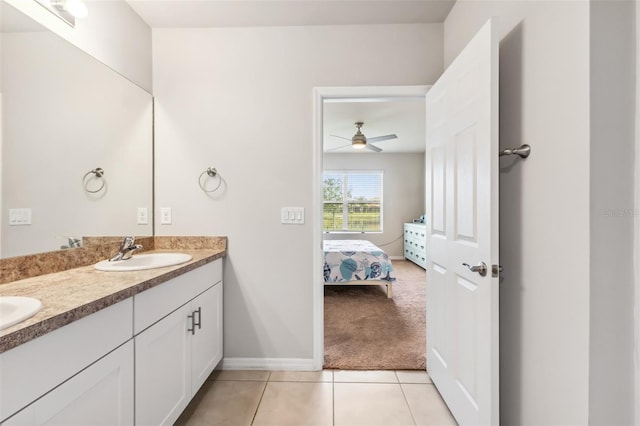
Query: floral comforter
point(355, 260)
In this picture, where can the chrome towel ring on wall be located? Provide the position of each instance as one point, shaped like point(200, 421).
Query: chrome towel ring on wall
point(98, 173)
point(213, 173)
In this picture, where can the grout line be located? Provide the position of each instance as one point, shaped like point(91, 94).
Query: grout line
point(333, 401)
point(264, 389)
point(415, 422)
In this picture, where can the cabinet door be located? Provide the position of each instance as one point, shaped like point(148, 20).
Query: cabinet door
point(206, 345)
point(163, 369)
point(102, 394)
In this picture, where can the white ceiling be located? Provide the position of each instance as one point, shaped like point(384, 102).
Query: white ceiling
point(404, 118)
point(259, 13)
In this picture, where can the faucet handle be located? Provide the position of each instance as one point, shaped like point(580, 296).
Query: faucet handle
point(127, 242)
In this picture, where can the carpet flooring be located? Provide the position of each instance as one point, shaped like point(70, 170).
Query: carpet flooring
point(364, 330)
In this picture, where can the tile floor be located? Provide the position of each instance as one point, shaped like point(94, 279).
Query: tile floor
point(328, 397)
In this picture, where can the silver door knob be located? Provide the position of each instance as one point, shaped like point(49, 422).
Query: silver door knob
point(481, 268)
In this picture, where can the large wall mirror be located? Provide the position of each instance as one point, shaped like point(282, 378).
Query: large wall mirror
point(65, 114)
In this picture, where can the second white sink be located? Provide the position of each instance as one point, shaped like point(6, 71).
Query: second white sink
point(144, 261)
point(14, 309)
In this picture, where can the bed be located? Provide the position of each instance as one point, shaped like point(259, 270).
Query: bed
point(357, 262)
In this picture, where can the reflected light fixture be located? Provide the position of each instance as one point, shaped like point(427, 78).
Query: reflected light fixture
point(67, 10)
point(77, 8)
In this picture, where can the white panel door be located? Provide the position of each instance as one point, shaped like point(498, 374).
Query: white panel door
point(462, 204)
point(163, 369)
point(206, 342)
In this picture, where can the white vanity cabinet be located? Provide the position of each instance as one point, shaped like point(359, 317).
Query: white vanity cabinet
point(178, 342)
point(80, 374)
point(102, 394)
point(415, 239)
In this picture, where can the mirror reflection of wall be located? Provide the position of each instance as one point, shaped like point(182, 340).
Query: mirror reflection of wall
point(63, 114)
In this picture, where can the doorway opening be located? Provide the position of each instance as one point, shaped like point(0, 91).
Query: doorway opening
point(327, 103)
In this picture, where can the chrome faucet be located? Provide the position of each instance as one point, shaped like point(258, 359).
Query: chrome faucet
point(127, 247)
point(72, 242)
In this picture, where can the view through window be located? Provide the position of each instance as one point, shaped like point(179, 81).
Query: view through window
point(352, 201)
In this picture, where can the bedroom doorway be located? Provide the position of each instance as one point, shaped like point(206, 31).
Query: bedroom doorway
point(329, 103)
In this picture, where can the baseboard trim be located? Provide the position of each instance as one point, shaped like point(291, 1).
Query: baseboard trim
point(276, 364)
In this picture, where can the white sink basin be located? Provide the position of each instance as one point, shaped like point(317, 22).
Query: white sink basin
point(143, 261)
point(14, 309)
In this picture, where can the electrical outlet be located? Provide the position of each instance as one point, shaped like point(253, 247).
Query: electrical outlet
point(165, 216)
point(143, 216)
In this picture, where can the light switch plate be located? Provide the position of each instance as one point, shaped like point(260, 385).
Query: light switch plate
point(292, 215)
point(165, 216)
point(19, 217)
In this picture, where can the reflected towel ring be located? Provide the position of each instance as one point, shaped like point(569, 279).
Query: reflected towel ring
point(98, 174)
point(211, 172)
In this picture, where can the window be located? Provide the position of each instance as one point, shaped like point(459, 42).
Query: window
point(352, 201)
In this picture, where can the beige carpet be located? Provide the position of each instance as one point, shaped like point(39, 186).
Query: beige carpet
point(364, 330)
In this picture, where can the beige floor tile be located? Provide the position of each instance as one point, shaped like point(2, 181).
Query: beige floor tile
point(365, 376)
point(427, 406)
point(370, 404)
point(291, 403)
point(413, 376)
point(242, 375)
point(302, 376)
point(223, 403)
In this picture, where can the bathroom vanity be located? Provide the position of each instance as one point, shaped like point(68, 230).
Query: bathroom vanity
point(113, 347)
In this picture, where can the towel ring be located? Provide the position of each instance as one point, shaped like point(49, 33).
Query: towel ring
point(98, 174)
point(211, 172)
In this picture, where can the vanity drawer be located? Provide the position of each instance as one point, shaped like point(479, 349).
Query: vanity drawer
point(154, 304)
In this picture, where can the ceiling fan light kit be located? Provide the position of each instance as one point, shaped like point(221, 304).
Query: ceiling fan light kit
point(359, 141)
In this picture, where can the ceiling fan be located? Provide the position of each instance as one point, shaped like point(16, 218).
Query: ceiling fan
point(360, 141)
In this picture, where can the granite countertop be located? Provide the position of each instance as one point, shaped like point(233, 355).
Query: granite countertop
point(72, 294)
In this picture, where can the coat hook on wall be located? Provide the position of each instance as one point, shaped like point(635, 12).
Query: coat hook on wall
point(213, 173)
point(98, 173)
point(522, 151)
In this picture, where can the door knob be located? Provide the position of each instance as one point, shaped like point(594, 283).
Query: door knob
point(481, 268)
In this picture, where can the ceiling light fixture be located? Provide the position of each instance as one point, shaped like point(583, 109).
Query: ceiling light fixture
point(359, 141)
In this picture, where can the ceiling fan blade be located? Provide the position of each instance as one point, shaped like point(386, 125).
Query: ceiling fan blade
point(382, 138)
point(340, 137)
point(372, 147)
point(337, 148)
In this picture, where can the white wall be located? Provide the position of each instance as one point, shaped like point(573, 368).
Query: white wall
point(612, 102)
point(545, 202)
point(112, 32)
point(403, 194)
point(242, 100)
